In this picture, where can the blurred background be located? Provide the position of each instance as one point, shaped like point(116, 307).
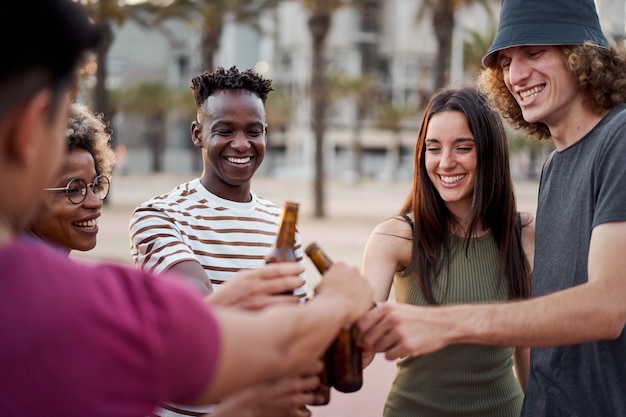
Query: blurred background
point(350, 76)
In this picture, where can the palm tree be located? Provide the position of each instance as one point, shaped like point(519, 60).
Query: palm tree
point(364, 91)
point(319, 22)
point(443, 22)
point(392, 118)
point(474, 48)
point(151, 101)
point(108, 13)
point(212, 15)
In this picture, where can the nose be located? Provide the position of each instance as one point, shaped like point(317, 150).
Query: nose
point(447, 160)
point(92, 200)
point(240, 142)
point(518, 72)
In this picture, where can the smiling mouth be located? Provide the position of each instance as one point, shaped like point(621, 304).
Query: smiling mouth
point(528, 94)
point(451, 180)
point(234, 160)
point(87, 224)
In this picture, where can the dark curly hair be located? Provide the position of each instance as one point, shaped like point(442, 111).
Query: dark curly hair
point(207, 83)
point(601, 75)
point(87, 131)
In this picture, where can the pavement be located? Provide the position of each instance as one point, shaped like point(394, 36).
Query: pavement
point(352, 211)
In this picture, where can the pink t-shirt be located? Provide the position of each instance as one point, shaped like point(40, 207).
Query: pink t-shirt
point(107, 340)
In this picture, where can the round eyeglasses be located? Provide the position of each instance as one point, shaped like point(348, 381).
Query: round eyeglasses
point(76, 188)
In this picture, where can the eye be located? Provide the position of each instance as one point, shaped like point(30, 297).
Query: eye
point(433, 149)
point(465, 149)
point(75, 190)
point(222, 132)
point(255, 133)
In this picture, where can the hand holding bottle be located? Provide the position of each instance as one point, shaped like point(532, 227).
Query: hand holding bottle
point(259, 288)
point(346, 283)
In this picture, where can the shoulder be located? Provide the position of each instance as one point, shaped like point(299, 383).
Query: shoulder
point(177, 196)
point(527, 221)
point(266, 205)
point(396, 226)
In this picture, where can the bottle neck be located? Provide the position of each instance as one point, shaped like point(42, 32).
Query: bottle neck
point(286, 234)
point(287, 229)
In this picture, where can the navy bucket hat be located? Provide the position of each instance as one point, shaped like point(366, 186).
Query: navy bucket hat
point(545, 22)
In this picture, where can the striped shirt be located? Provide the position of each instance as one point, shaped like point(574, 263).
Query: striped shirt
point(190, 223)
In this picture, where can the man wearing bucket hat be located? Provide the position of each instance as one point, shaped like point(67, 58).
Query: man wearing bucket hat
point(551, 72)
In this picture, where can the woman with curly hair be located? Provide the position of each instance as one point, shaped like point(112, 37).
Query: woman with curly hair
point(69, 211)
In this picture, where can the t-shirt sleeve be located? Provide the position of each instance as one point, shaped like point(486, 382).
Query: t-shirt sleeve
point(156, 241)
point(609, 179)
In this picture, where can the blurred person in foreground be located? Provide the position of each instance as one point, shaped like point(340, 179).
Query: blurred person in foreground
point(551, 72)
point(456, 239)
point(109, 340)
point(69, 211)
point(214, 226)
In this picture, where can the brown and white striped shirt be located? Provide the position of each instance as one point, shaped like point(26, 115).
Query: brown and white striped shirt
point(190, 223)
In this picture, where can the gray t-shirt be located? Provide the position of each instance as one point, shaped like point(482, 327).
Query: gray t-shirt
point(584, 186)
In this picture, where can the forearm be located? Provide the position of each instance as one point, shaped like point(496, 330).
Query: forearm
point(580, 314)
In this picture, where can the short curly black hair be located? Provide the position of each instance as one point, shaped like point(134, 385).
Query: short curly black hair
point(207, 83)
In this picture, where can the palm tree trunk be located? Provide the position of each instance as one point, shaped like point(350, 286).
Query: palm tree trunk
point(443, 21)
point(210, 44)
point(319, 25)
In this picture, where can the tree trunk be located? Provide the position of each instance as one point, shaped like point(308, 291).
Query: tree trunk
point(319, 25)
point(101, 98)
point(210, 44)
point(156, 138)
point(443, 21)
point(357, 142)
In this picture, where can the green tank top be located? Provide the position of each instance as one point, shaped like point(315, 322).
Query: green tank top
point(460, 380)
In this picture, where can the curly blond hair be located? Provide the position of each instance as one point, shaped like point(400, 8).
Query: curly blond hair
point(87, 131)
point(601, 75)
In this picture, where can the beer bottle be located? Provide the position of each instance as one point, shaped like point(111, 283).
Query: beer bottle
point(283, 250)
point(344, 357)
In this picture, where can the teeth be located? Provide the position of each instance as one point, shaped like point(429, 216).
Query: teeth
point(530, 93)
point(88, 223)
point(451, 180)
point(239, 160)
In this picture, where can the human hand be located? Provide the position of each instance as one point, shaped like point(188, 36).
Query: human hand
point(368, 357)
point(401, 330)
point(256, 289)
point(286, 397)
point(347, 283)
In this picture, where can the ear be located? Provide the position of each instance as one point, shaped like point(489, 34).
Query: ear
point(196, 134)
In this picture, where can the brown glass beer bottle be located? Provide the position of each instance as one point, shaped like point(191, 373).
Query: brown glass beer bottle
point(344, 357)
point(283, 250)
